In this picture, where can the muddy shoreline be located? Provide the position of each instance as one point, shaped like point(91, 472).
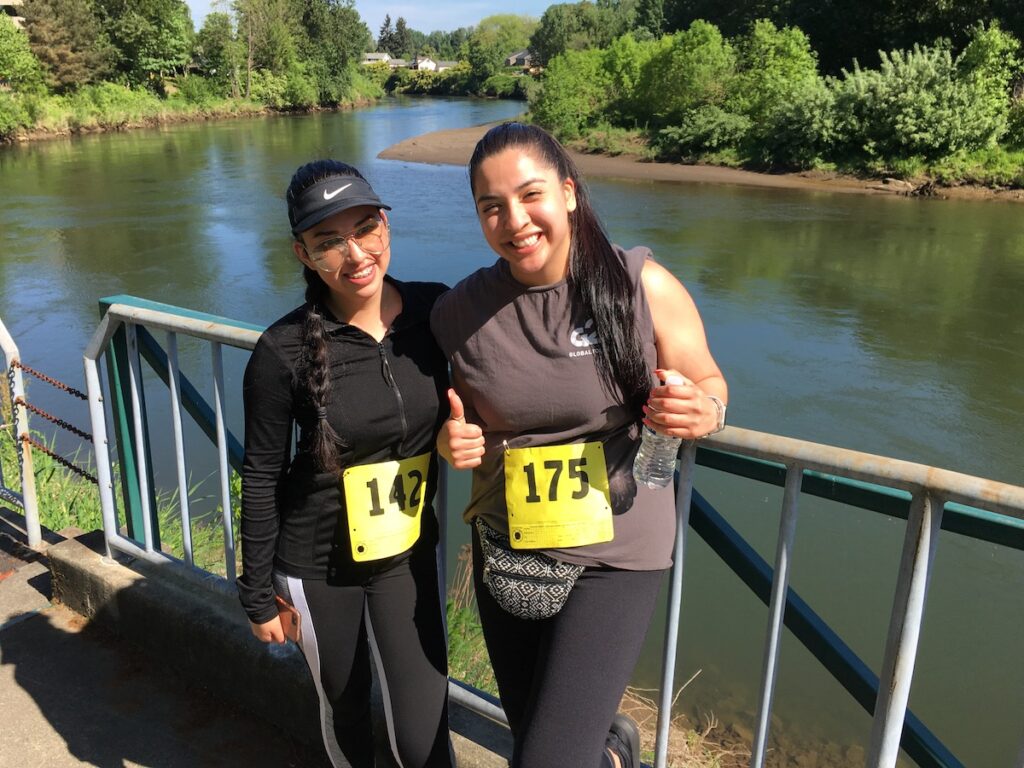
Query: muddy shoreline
point(453, 147)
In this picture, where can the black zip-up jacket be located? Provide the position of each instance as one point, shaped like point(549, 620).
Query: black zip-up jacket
point(386, 401)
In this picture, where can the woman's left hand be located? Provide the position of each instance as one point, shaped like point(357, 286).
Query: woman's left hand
point(680, 410)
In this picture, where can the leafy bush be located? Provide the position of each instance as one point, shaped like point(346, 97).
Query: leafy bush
point(300, 90)
point(694, 68)
point(269, 88)
point(1015, 125)
point(378, 72)
point(504, 86)
point(624, 61)
point(797, 131)
point(989, 63)
point(19, 68)
point(574, 93)
point(914, 104)
point(705, 129)
point(198, 90)
point(12, 115)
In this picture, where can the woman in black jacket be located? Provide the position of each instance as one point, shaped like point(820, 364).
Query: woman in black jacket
point(341, 533)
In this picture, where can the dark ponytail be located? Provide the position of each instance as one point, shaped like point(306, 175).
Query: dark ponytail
point(599, 280)
point(315, 366)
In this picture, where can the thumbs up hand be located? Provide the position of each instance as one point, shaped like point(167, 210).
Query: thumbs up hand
point(461, 444)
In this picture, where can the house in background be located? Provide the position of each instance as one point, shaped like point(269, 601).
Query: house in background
point(519, 59)
point(423, 63)
point(9, 8)
point(376, 58)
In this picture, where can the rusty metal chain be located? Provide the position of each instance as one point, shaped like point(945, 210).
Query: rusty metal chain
point(21, 402)
point(59, 459)
point(51, 418)
point(49, 380)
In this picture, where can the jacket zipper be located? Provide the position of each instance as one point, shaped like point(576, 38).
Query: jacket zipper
point(386, 370)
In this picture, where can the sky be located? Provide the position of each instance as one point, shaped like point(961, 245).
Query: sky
point(444, 15)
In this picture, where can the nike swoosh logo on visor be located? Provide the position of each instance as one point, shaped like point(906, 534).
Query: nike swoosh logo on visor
point(331, 195)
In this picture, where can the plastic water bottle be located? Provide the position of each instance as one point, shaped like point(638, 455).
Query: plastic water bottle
point(655, 462)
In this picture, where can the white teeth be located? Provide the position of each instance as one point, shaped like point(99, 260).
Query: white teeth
point(365, 272)
point(526, 242)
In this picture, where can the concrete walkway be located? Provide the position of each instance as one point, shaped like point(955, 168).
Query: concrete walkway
point(83, 691)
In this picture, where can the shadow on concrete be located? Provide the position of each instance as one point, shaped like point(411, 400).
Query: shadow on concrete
point(104, 705)
point(136, 664)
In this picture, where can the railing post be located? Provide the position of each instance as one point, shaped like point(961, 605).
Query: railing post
point(129, 453)
point(777, 609)
point(19, 413)
point(684, 494)
point(217, 362)
point(174, 389)
point(919, 544)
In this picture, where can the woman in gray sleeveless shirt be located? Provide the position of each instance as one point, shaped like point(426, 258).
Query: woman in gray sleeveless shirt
point(552, 351)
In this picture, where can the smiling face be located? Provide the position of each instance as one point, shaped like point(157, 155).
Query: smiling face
point(356, 276)
point(524, 208)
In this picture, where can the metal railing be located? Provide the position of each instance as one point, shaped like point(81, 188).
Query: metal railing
point(123, 337)
point(929, 499)
point(24, 494)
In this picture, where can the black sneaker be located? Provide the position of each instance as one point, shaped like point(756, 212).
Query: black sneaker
point(624, 740)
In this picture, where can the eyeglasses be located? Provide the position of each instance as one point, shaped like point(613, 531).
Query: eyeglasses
point(371, 237)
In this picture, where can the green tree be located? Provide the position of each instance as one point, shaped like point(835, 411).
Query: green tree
point(217, 53)
point(450, 46)
point(153, 38)
point(18, 67)
point(772, 62)
point(504, 34)
point(386, 42)
point(564, 27)
point(574, 93)
point(332, 44)
point(67, 40)
point(403, 39)
point(691, 69)
point(624, 62)
point(650, 17)
point(265, 29)
point(493, 40)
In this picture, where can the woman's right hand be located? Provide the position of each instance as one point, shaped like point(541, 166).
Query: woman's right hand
point(269, 631)
point(461, 444)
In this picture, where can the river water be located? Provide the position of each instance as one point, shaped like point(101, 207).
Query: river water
point(882, 324)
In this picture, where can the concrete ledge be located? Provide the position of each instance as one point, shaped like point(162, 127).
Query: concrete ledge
point(193, 625)
point(189, 627)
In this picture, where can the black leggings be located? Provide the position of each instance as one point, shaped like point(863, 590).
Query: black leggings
point(561, 679)
point(395, 614)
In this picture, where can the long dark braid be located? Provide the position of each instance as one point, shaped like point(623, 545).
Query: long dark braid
point(324, 441)
point(600, 282)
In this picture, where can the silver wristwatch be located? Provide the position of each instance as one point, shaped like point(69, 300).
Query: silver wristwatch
point(720, 410)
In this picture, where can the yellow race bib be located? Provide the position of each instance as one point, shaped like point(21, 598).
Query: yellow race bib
point(557, 496)
point(384, 502)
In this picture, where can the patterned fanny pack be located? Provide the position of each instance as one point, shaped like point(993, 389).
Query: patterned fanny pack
point(524, 582)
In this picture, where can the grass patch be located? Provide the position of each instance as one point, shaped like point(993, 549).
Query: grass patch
point(66, 499)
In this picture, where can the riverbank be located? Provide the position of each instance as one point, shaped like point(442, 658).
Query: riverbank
point(453, 147)
point(67, 123)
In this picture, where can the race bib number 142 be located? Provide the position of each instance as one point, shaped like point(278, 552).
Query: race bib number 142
point(384, 503)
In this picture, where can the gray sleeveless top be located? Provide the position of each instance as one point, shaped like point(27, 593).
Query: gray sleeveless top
point(524, 365)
